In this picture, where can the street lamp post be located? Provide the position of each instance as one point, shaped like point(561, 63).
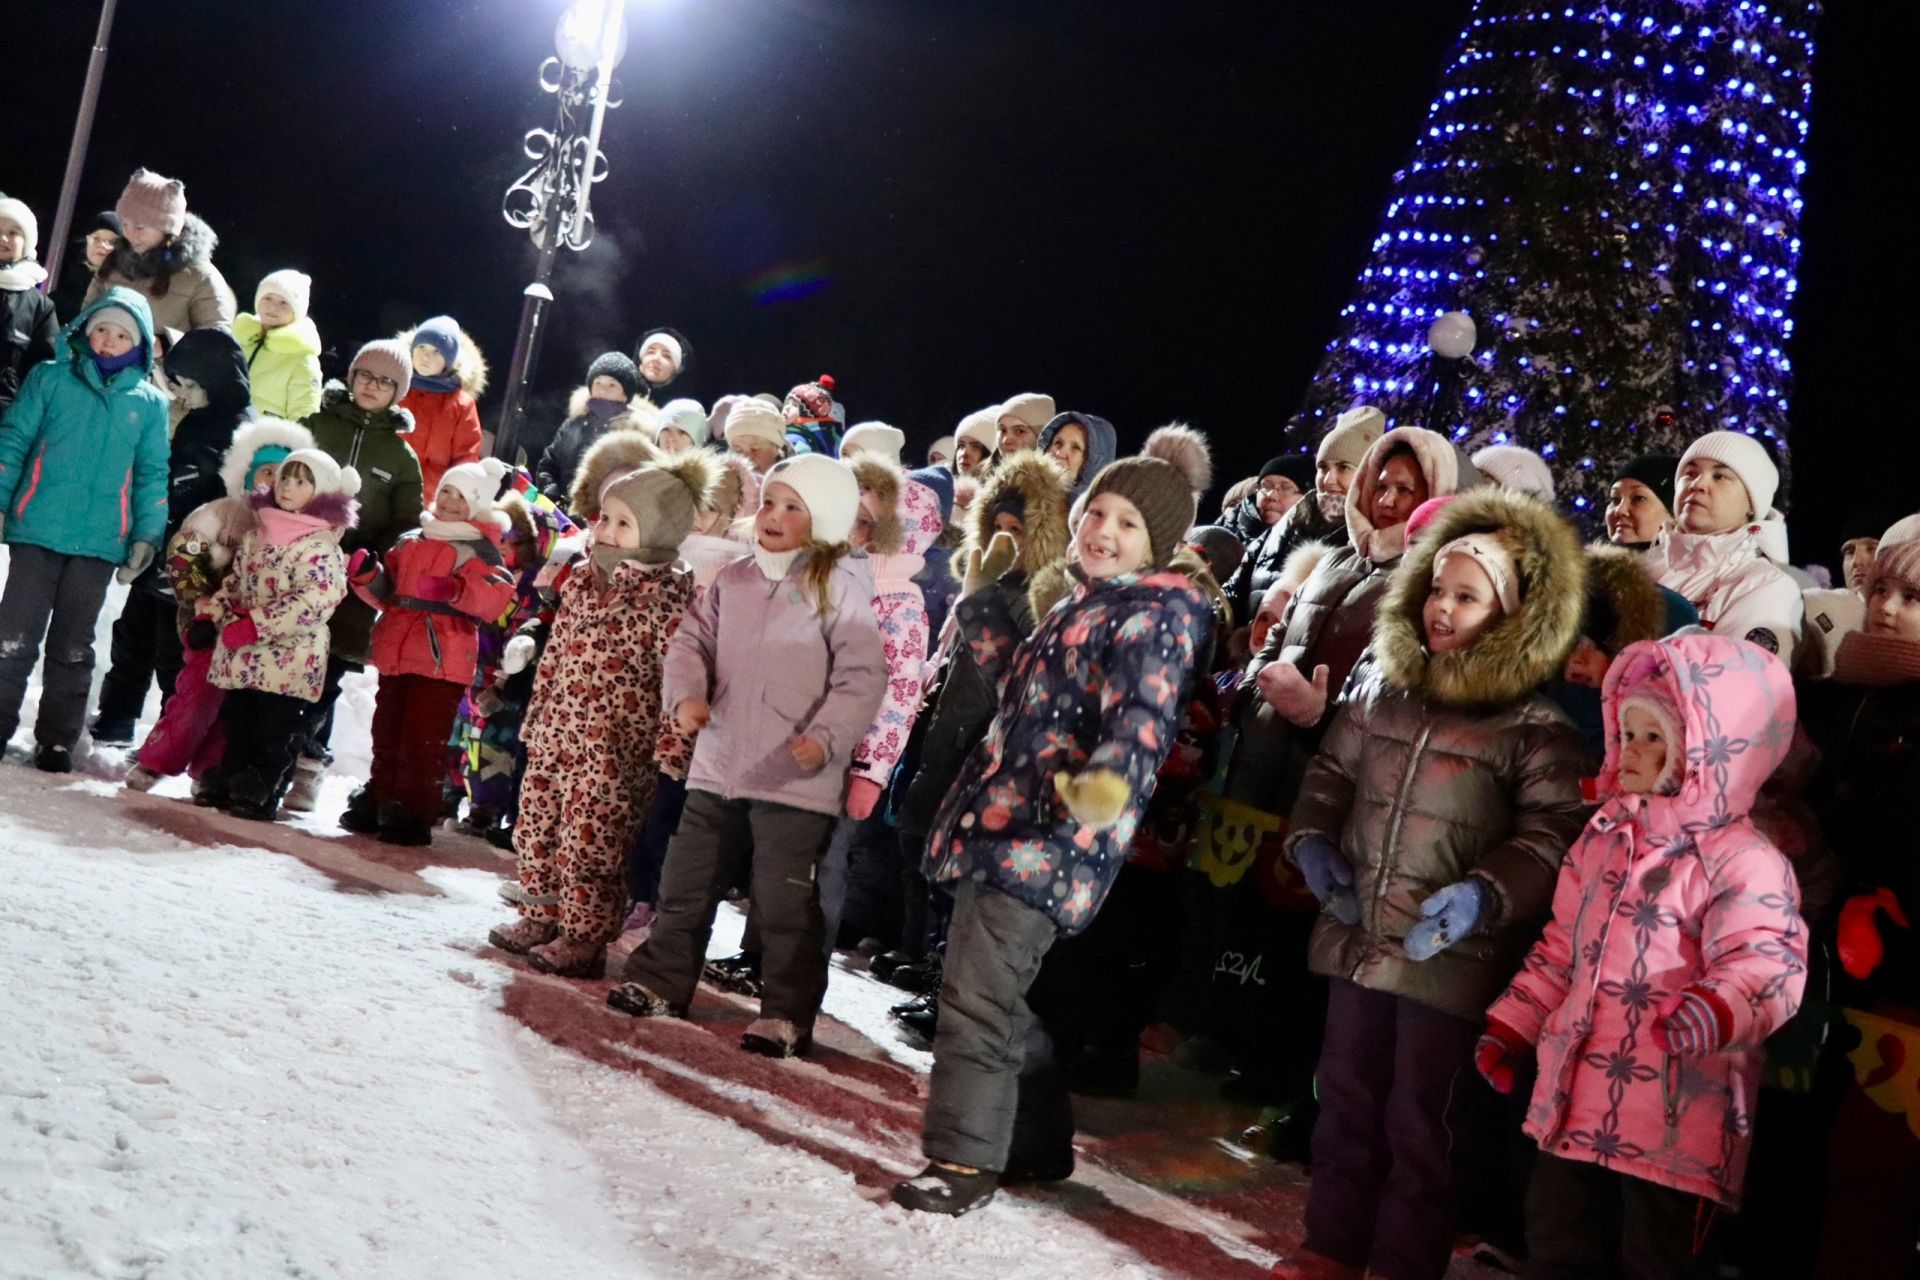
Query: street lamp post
point(77, 149)
point(552, 200)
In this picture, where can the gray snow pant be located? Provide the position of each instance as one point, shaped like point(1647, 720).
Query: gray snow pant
point(990, 1051)
point(55, 598)
point(716, 839)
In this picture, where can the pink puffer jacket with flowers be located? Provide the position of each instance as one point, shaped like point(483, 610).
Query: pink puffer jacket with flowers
point(1662, 894)
point(902, 614)
point(288, 579)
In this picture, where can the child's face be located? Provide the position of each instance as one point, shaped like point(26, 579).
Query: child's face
point(1643, 751)
point(1635, 513)
point(144, 238)
point(674, 440)
point(109, 340)
point(616, 526)
point(292, 489)
point(371, 392)
point(784, 523)
point(1856, 562)
point(1398, 489)
point(972, 455)
point(1587, 664)
point(1069, 449)
point(1007, 522)
point(762, 454)
point(1271, 609)
point(863, 523)
point(100, 247)
point(427, 361)
point(451, 504)
point(267, 474)
point(1013, 435)
point(1713, 499)
point(1460, 606)
point(601, 388)
point(1893, 608)
point(656, 362)
point(1112, 538)
point(275, 311)
point(13, 241)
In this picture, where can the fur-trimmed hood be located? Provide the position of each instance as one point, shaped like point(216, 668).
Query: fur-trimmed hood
point(469, 367)
point(1448, 471)
point(736, 490)
point(637, 406)
point(625, 445)
point(193, 247)
point(1299, 566)
point(261, 433)
point(1519, 652)
point(884, 480)
point(1042, 486)
point(1624, 603)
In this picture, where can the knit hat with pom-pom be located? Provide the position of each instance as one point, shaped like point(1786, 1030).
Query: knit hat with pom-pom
point(665, 497)
point(329, 477)
point(811, 401)
point(1187, 451)
point(478, 483)
point(1162, 493)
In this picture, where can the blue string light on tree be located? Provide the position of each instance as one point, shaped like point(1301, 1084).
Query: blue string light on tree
point(1608, 196)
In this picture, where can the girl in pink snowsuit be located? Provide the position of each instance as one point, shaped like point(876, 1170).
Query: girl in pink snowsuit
point(1676, 947)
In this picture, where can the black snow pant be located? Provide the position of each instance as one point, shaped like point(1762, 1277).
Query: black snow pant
point(1589, 1223)
point(265, 734)
point(146, 647)
point(647, 855)
point(53, 598)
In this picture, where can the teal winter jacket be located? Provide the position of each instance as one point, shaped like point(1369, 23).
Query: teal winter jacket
point(83, 460)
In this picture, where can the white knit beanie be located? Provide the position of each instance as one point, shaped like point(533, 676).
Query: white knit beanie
point(295, 286)
point(1748, 459)
point(1029, 407)
point(1352, 434)
point(875, 438)
point(941, 450)
point(685, 415)
point(328, 475)
point(16, 212)
point(978, 427)
point(828, 488)
point(477, 482)
point(754, 419)
point(1511, 467)
point(1905, 529)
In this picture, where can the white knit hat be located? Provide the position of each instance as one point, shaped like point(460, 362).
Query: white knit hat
point(295, 286)
point(1748, 459)
point(1351, 435)
point(828, 488)
point(874, 437)
point(685, 415)
point(328, 475)
point(753, 419)
point(978, 427)
point(943, 448)
point(1029, 407)
point(1495, 557)
point(479, 483)
point(1512, 467)
point(1905, 529)
point(16, 212)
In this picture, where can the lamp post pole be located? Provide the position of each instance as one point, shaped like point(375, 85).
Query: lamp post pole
point(552, 201)
point(77, 149)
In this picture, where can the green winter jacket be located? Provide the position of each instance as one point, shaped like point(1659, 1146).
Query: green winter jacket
point(83, 461)
point(372, 444)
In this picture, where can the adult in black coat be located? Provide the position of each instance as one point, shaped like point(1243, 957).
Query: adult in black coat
point(207, 372)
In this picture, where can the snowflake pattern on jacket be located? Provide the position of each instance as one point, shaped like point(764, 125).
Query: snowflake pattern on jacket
point(1661, 894)
point(1100, 684)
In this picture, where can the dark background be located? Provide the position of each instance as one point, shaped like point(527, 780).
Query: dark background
point(1148, 211)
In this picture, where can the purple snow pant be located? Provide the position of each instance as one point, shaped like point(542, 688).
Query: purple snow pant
point(188, 737)
point(1382, 1185)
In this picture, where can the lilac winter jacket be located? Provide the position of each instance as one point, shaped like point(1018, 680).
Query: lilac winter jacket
point(773, 669)
point(1659, 894)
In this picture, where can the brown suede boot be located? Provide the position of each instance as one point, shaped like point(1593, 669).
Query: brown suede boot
point(523, 936)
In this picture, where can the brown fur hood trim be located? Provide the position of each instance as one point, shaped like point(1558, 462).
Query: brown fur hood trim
point(734, 487)
point(519, 519)
point(1299, 566)
point(1048, 586)
point(624, 447)
point(636, 407)
point(1519, 652)
point(469, 367)
point(1632, 598)
point(1043, 486)
point(883, 480)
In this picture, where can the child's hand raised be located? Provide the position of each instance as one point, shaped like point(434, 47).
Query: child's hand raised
point(808, 754)
point(692, 715)
point(1299, 701)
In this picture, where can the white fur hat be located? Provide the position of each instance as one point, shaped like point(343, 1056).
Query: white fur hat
point(942, 450)
point(328, 475)
point(1748, 459)
point(874, 437)
point(828, 488)
point(684, 415)
point(479, 483)
point(1512, 467)
point(1030, 407)
point(262, 435)
point(753, 419)
point(295, 286)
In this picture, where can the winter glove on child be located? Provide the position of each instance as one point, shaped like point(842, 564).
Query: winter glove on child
point(1451, 914)
point(239, 633)
point(1096, 798)
point(436, 588)
point(201, 634)
point(1300, 702)
point(862, 795)
point(517, 656)
point(1329, 876)
point(988, 567)
point(1692, 1024)
point(1859, 942)
point(1498, 1054)
point(363, 567)
point(139, 556)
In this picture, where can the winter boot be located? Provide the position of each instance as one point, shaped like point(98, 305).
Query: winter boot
point(523, 936)
point(776, 1038)
point(210, 790)
point(739, 974)
point(251, 796)
point(920, 977)
point(939, 1189)
point(51, 759)
point(141, 778)
point(112, 731)
point(631, 997)
point(362, 814)
point(501, 837)
point(887, 963)
point(919, 1018)
point(304, 795)
point(1284, 1133)
point(570, 958)
point(397, 826)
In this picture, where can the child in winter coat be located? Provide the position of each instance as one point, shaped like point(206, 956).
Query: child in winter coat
point(723, 531)
point(27, 324)
point(1431, 828)
point(1675, 948)
point(1038, 823)
point(612, 392)
point(683, 426)
point(282, 346)
point(780, 670)
point(813, 425)
point(432, 591)
point(449, 377)
point(272, 610)
point(593, 725)
point(757, 433)
point(188, 738)
point(83, 490)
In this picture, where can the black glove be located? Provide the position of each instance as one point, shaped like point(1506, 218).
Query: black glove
point(201, 633)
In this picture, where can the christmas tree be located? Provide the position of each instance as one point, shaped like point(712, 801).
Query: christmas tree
point(1610, 194)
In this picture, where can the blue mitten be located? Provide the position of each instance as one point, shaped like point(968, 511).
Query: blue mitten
point(1329, 876)
point(1451, 914)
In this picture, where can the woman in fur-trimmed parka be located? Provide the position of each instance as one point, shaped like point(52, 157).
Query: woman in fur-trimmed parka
point(1431, 827)
point(177, 276)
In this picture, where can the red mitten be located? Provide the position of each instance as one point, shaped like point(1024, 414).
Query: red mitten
point(436, 588)
point(363, 566)
point(1499, 1052)
point(862, 795)
point(239, 633)
point(1861, 949)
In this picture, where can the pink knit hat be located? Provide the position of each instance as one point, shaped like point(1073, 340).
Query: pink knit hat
point(153, 201)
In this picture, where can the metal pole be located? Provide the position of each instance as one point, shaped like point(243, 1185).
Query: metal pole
point(526, 345)
point(77, 150)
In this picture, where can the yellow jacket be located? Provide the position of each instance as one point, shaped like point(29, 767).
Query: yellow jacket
point(283, 365)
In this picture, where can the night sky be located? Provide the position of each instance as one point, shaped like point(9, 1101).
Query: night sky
point(1149, 211)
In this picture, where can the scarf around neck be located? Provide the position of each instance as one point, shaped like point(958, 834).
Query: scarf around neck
point(442, 384)
point(775, 564)
point(18, 277)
